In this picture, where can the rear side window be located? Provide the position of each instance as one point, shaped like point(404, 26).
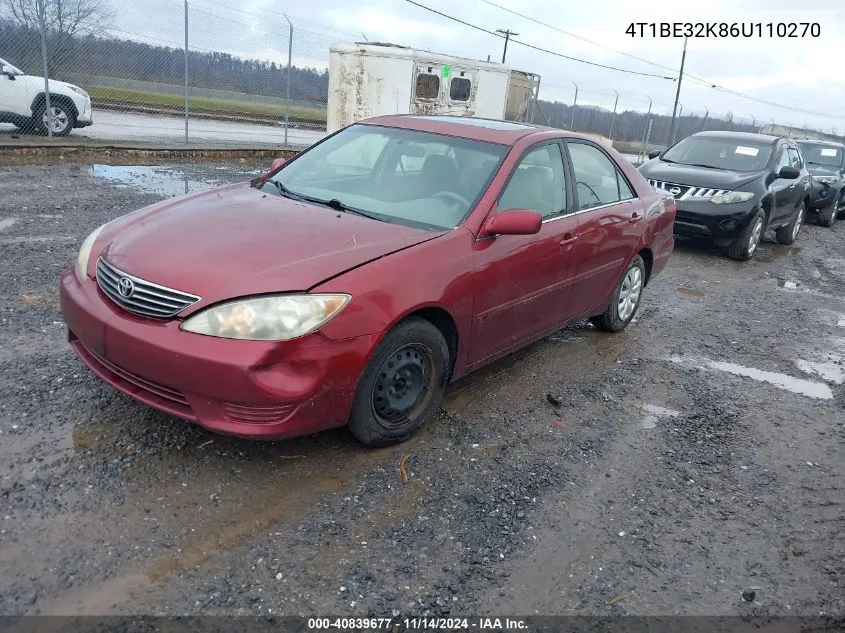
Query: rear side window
point(459, 89)
point(598, 180)
point(428, 86)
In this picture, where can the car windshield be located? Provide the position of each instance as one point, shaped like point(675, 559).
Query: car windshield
point(393, 175)
point(823, 155)
point(720, 153)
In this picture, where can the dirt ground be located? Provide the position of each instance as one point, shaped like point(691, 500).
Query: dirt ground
point(694, 465)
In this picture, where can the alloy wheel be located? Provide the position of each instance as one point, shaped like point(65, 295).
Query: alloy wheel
point(756, 234)
point(797, 226)
point(56, 120)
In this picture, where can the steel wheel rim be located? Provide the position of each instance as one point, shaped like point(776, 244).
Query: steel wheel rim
point(629, 293)
point(798, 222)
point(756, 234)
point(56, 120)
point(403, 386)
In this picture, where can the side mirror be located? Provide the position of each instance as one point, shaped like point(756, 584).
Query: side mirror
point(9, 72)
point(789, 173)
point(653, 154)
point(514, 222)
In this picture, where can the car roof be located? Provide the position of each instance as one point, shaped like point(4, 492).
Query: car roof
point(478, 129)
point(815, 142)
point(738, 136)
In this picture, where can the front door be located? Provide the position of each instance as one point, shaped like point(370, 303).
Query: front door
point(522, 281)
point(783, 190)
point(611, 223)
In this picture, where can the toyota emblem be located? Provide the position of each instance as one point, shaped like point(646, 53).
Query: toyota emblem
point(675, 191)
point(126, 287)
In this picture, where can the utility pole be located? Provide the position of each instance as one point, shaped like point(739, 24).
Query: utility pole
point(507, 33)
point(287, 78)
point(678, 93)
point(574, 105)
point(613, 117)
point(674, 128)
point(704, 120)
point(49, 119)
point(754, 122)
point(187, 99)
point(647, 118)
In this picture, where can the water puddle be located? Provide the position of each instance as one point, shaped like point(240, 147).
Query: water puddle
point(164, 181)
point(829, 370)
point(653, 413)
point(774, 252)
point(6, 223)
point(690, 292)
point(800, 386)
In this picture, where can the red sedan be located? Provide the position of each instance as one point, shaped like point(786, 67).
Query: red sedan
point(353, 282)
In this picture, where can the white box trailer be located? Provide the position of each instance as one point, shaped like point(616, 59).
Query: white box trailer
point(372, 79)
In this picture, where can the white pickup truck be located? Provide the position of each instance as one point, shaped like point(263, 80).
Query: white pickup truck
point(23, 104)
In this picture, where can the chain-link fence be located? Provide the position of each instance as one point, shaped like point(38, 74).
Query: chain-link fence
point(210, 72)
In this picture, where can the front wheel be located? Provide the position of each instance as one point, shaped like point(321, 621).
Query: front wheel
point(828, 216)
point(60, 120)
point(789, 233)
point(626, 299)
point(403, 384)
point(745, 245)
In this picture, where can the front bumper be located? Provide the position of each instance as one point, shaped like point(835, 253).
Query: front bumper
point(822, 196)
point(85, 116)
point(258, 389)
point(720, 222)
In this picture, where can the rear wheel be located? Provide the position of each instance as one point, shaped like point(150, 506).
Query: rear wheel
point(745, 245)
point(789, 233)
point(60, 119)
point(403, 385)
point(626, 299)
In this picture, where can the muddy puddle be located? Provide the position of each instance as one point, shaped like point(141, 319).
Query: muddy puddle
point(167, 181)
point(774, 252)
point(690, 293)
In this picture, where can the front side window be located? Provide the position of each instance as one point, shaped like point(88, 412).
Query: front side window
point(783, 161)
point(720, 153)
point(537, 183)
point(598, 180)
point(428, 86)
point(393, 174)
point(795, 158)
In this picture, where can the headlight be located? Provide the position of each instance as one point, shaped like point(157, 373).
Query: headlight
point(826, 180)
point(272, 318)
point(85, 253)
point(732, 197)
point(79, 91)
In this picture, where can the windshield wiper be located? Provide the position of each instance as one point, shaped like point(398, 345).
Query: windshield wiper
point(334, 203)
point(703, 165)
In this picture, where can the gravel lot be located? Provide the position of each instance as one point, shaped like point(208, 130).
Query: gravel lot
point(691, 458)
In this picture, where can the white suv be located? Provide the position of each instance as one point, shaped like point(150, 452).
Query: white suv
point(23, 104)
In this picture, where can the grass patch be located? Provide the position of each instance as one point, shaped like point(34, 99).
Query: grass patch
point(203, 104)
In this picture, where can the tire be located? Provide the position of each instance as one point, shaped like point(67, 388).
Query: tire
point(789, 233)
point(745, 245)
point(840, 203)
point(403, 384)
point(64, 118)
point(625, 300)
point(828, 216)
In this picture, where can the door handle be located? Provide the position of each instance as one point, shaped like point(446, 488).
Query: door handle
point(635, 217)
point(568, 239)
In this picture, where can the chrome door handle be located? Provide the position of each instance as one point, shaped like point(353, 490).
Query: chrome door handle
point(568, 239)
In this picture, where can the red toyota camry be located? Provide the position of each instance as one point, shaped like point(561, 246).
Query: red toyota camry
point(351, 283)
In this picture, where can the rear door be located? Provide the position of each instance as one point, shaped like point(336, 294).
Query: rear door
point(522, 282)
point(610, 224)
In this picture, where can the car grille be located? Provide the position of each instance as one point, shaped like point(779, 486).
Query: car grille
point(139, 296)
point(682, 192)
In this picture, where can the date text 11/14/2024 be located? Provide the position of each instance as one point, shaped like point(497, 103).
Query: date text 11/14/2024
point(417, 624)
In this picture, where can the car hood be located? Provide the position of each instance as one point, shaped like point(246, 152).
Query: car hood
point(697, 176)
point(236, 241)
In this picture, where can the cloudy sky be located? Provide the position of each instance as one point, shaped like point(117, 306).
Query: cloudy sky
point(803, 73)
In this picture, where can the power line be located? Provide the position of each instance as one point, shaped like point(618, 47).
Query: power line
point(698, 80)
point(583, 39)
point(536, 48)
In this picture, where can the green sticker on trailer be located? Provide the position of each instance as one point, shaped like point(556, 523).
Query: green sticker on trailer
point(446, 70)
